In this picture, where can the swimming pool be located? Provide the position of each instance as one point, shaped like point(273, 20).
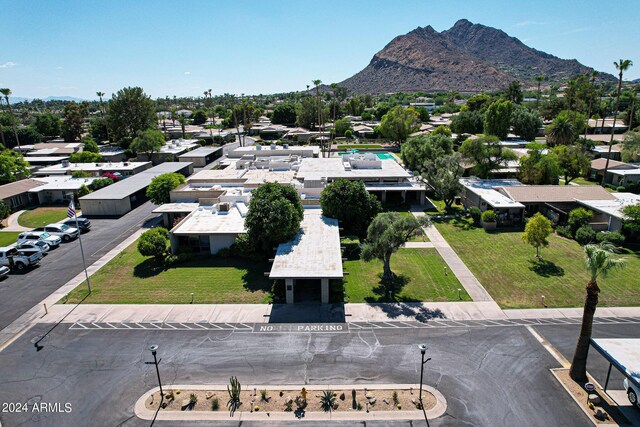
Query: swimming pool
point(384, 155)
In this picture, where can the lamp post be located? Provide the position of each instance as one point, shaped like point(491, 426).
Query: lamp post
point(154, 350)
point(423, 351)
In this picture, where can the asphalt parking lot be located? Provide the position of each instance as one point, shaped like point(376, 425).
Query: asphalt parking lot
point(495, 376)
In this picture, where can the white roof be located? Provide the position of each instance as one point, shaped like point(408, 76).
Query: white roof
point(613, 207)
point(176, 146)
point(176, 208)
point(624, 352)
point(625, 172)
point(322, 167)
point(200, 152)
point(208, 220)
point(484, 188)
point(91, 167)
point(313, 253)
point(62, 183)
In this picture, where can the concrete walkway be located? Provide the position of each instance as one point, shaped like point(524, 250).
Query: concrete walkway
point(12, 223)
point(415, 245)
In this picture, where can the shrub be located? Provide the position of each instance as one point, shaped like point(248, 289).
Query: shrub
point(614, 237)
point(80, 174)
point(585, 235)
point(160, 187)
point(476, 214)
point(243, 247)
point(621, 188)
point(577, 218)
point(5, 210)
point(564, 231)
point(154, 242)
point(351, 247)
point(489, 216)
point(215, 404)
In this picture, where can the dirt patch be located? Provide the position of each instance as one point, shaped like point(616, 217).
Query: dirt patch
point(605, 412)
point(372, 400)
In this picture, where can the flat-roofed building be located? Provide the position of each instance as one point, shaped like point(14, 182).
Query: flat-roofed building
point(275, 150)
point(94, 169)
point(200, 157)
point(59, 189)
point(16, 194)
point(596, 171)
point(609, 212)
point(483, 194)
point(171, 150)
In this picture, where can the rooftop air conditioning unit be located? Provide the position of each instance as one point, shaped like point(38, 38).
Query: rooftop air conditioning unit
point(285, 146)
point(258, 147)
point(273, 146)
point(223, 207)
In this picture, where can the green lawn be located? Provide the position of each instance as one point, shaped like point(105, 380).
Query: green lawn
point(134, 279)
point(420, 278)
point(508, 269)
point(583, 181)
point(42, 216)
point(8, 237)
point(358, 146)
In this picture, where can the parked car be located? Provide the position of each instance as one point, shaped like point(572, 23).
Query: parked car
point(33, 247)
point(15, 260)
point(34, 236)
point(83, 223)
point(63, 231)
point(632, 392)
point(4, 272)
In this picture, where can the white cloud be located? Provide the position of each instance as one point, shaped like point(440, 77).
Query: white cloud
point(528, 23)
point(8, 64)
point(59, 68)
point(187, 73)
point(575, 30)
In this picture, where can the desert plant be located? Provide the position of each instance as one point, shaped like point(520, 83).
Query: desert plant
point(288, 405)
point(394, 397)
point(399, 406)
point(359, 406)
point(327, 400)
point(193, 399)
point(342, 396)
point(215, 404)
point(301, 402)
point(264, 395)
point(256, 408)
point(169, 395)
point(353, 398)
point(234, 389)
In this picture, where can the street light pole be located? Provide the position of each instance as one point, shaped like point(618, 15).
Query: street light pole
point(423, 350)
point(154, 350)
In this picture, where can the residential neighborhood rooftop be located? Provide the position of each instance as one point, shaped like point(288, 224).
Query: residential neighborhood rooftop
point(211, 220)
point(555, 193)
point(614, 206)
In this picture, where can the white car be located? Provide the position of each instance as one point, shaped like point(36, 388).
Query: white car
point(15, 260)
point(63, 231)
point(34, 236)
point(632, 392)
point(33, 246)
point(4, 271)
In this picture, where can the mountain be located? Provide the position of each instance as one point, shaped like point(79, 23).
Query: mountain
point(466, 57)
point(63, 98)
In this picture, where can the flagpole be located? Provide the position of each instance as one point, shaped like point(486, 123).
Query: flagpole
point(84, 263)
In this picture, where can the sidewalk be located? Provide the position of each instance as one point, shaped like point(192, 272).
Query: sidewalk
point(12, 223)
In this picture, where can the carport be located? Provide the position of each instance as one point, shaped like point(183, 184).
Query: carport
point(624, 354)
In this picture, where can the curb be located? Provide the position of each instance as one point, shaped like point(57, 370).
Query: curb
point(141, 411)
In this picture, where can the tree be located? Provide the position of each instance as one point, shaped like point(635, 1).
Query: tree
point(149, 142)
point(539, 80)
point(578, 217)
point(479, 102)
point(89, 145)
point(599, 261)
point(85, 157)
point(6, 92)
point(80, 174)
point(631, 147)
point(98, 129)
point(341, 126)
point(399, 123)
point(525, 124)
point(274, 216)
point(5, 210)
point(621, 66)
point(423, 113)
point(130, 111)
point(199, 117)
point(386, 234)
point(351, 204)
point(154, 243)
point(514, 92)
point(631, 220)
point(560, 132)
point(12, 166)
point(487, 154)
point(539, 169)
point(48, 125)
point(99, 183)
point(74, 115)
point(27, 136)
point(572, 161)
point(443, 174)
point(160, 187)
point(536, 232)
point(418, 149)
point(284, 114)
point(497, 119)
point(468, 122)
point(83, 191)
point(442, 130)
point(307, 113)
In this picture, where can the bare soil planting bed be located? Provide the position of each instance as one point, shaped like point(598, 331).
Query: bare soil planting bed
point(371, 400)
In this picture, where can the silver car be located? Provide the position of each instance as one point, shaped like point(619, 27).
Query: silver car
point(63, 231)
point(4, 271)
point(33, 246)
point(34, 236)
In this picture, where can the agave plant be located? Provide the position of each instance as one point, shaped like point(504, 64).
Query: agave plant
point(327, 400)
point(234, 389)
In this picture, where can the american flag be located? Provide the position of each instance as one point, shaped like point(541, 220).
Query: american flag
point(71, 211)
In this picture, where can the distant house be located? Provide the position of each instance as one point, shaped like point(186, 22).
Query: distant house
point(364, 131)
point(483, 194)
point(16, 194)
point(59, 189)
point(609, 212)
point(615, 174)
point(602, 151)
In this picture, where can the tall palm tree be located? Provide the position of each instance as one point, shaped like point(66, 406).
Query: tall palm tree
point(539, 80)
point(621, 66)
point(317, 83)
point(561, 131)
point(634, 93)
point(100, 95)
point(592, 89)
point(599, 260)
point(6, 92)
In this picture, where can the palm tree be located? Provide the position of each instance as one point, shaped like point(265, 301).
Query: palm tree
point(594, 74)
point(634, 93)
point(317, 83)
point(106, 125)
point(599, 260)
point(561, 131)
point(538, 79)
point(621, 66)
point(6, 92)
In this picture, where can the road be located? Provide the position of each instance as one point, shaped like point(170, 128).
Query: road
point(490, 376)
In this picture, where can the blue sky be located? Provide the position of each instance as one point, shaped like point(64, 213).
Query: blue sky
point(76, 48)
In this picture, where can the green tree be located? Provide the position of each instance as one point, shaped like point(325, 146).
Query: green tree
point(443, 174)
point(423, 113)
point(275, 213)
point(418, 149)
point(12, 166)
point(572, 161)
point(497, 119)
point(560, 132)
point(487, 155)
point(351, 204)
point(578, 217)
point(539, 80)
point(599, 260)
point(7, 92)
point(99, 183)
point(479, 102)
point(442, 130)
point(468, 122)
point(386, 234)
point(98, 129)
point(85, 157)
point(341, 126)
point(307, 113)
point(130, 111)
point(89, 145)
point(631, 222)
point(74, 115)
point(284, 114)
point(622, 66)
point(83, 191)
point(48, 125)
point(536, 232)
point(80, 174)
point(199, 117)
point(631, 147)
point(27, 136)
point(539, 169)
point(514, 92)
point(160, 187)
point(154, 243)
point(525, 124)
point(5, 210)
point(399, 123)
point(148, 142)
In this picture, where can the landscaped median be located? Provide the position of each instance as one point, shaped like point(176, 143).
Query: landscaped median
point(290, 402)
